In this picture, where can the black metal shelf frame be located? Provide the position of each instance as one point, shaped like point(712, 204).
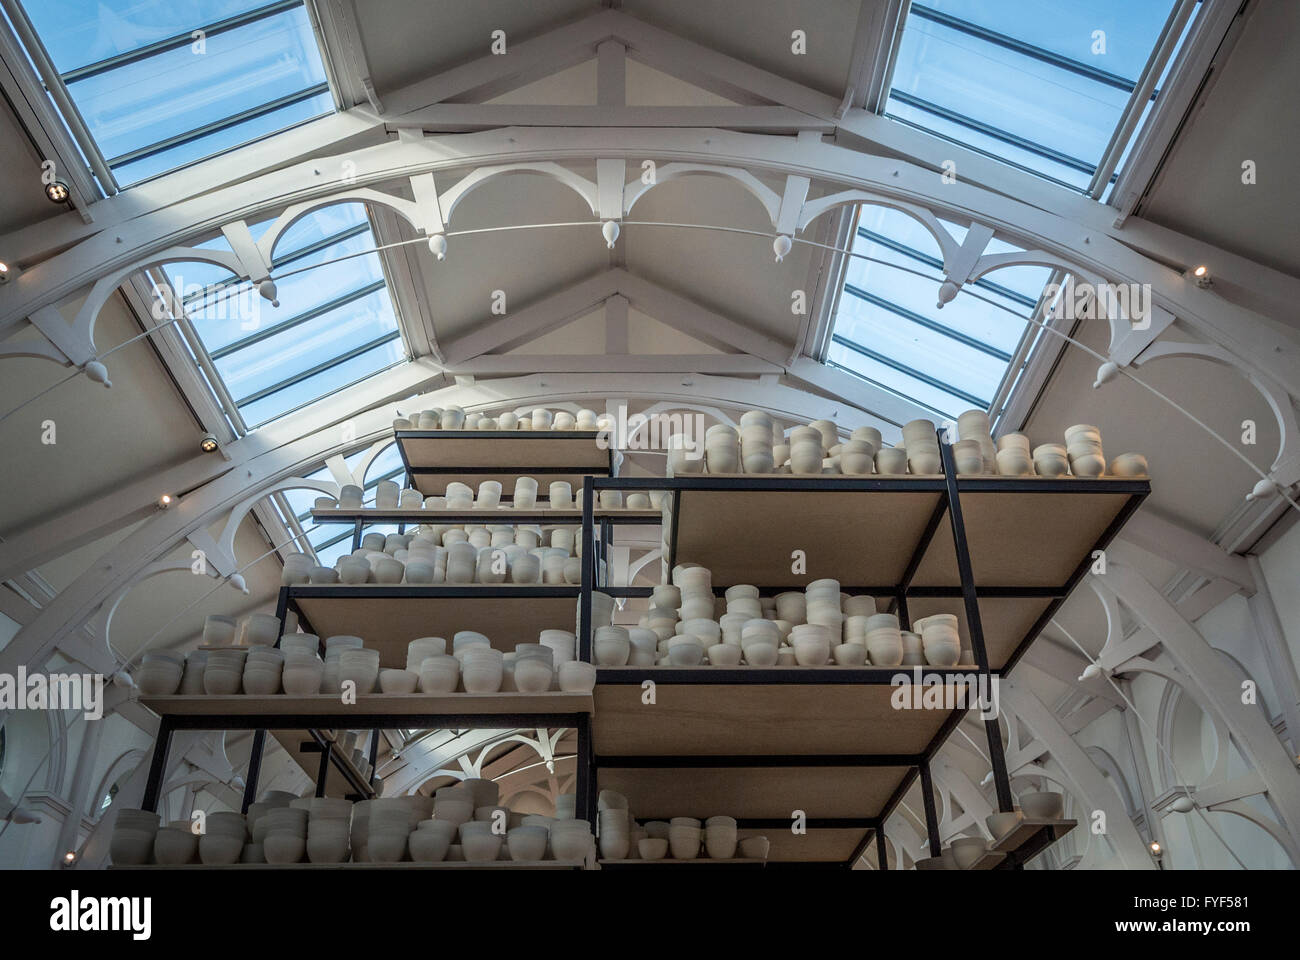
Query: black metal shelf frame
point(950, 486)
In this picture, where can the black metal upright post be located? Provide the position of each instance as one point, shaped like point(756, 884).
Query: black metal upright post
point(882, 847)
point(970, 599)
point(588, 569)
point(931, 810)
point(254, 769)
point(157, 766)
point(356, 534)
point(374, 755)
point(585, 778)
point(322, 772)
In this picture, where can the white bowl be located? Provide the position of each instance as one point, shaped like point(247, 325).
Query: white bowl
point(1043, 805)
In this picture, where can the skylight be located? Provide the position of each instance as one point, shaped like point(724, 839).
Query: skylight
point(335, 324)
point(163, 83)
point(1041, 84)
point(889, 331)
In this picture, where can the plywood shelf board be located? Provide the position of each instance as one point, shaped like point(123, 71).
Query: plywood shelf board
point(754, 793)
point(442, 865)
point(390, 625)
point(562, 516)
point(1025, 539)
point(756, 720)
point(748, 536)
point(1024, 830)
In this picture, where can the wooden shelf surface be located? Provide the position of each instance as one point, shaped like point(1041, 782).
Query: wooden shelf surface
point(468, 455)
point(754, 793)
point(376, 704)
point(502, 514)
point(1025, 830)
point(389, 625)
point(759, 719)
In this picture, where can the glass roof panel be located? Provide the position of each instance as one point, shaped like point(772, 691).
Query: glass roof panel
point(164, 83)
point(1041, 84)
point(336, 323)
point(889, 329)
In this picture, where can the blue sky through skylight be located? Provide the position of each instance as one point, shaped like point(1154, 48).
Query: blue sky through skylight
point(156, 98)
point(1024, 80)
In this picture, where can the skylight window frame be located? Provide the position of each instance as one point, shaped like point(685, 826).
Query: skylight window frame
point(56, 87)
point(205, 358)
point(1129, 126)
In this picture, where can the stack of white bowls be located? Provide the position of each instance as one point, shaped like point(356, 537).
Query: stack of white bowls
point(684, 455)
point(351, 496)
point(462, 558)
point(175, 844)
point(913, 649)
point(974, 425)
point(644, 646)
point(611, 646)
point(1051, 460)
point(884, 640)
point(722, 449)
point(720, 837)
point(420, 649)
point(160, 672)
point(684, 835)
point(297, 567)
point(460, 496)
point(822, 605)
point(760, 641)
point(614, 832)
point(940, 639)
point(482, 668)
point(560, 495)
point(454, 804)
point(261, 629)
point(387, 495)
point(285, 839)
point(439, 674)
point(562, 643)
point(792, 606)
point(602, 610)
point(696, 585)
point(192, 680)
point(806, 450)
point(224, 670)
point(387, 828)
point(534, 667)
point(576, 676)
point(756, 442)
point(968, 457)
point(1083, 444)
point(430, 841)
point(572, 840)
point(812, 644)
point(223, 839)
point(335, 647)
point(922, 445)
point(220, 631)
point(134, 832)
point(684, 650)
point(262, 669)
point(857, 457)
point(891, 460)
point(743, 599)
point(489, 495)
point(1014, 456)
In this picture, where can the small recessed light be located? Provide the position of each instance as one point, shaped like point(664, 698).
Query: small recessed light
point(69, 856)
point(208, 444)
point(4, 272)
point(57, 191)
point(1155, 848)
point(165, 501)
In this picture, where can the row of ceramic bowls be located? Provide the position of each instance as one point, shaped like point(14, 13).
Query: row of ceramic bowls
point(461, 497)
point(621, 837)
point(295, 668)
point(455, 418)
point(965, 852)
point(814, 627)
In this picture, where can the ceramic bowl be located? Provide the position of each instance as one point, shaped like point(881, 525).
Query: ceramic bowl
point(1000, 824)
point(533, 675)
point(684, 842)
point(283, 848)
point(1129, 465)
point(1014, 462)
point(967, 850)
point(761, 654)
point(932, 863)
point(131, 846)
point(481, 848)
point(216, 850)
point(942, 652)
point(1044, 805)
point(724, 654)
point(527, 843)
point(398, 681)
point(755, 848)
point(891, 460)
point(652, 848)
point(850, 654)
point(577, 677)
point(687, 652)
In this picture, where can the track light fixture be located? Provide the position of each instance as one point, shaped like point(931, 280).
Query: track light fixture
point(4, 272)
point(165, 501)
point(57, 191)
point(208, 444)
point(1201, 275)
point(1157, 851)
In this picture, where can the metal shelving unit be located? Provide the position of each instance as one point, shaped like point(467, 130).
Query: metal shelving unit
point(1001, 553)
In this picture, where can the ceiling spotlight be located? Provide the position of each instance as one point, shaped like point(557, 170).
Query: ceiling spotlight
point(4, 272)
point(164, 501)
point(1155, 848)
point(208, 444)
point(1201, 274)
point(69, 856)
point(57, 191)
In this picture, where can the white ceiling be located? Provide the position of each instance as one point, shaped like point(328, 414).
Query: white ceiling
point(1249, 113)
